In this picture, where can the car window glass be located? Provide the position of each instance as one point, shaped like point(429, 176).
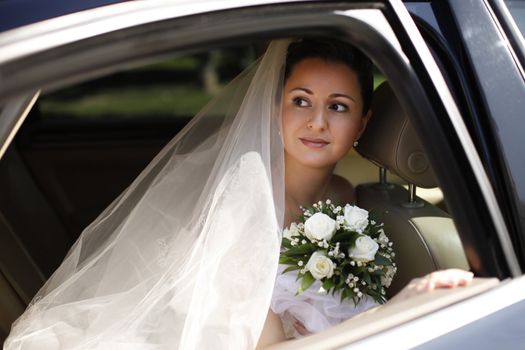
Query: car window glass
point(517, 10)
point(175, 88)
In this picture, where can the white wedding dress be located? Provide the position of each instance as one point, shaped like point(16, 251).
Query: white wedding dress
point(314, 308)
point(187, 256)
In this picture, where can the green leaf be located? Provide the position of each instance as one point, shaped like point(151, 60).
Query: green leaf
point(306, 282)
point(303, 249)
point(287, 260)
point(381, 260)
point(291, 268)
point(286, 243)
point(367, 279)
point(344, 236)
point(345, 294)
point(328, 284)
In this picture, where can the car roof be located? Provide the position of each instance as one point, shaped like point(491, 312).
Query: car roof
point(18, 13)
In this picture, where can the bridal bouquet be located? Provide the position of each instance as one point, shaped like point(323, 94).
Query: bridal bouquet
point(344, 248)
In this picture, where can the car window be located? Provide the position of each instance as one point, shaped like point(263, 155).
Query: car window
point(517, 10)
point(174, 88)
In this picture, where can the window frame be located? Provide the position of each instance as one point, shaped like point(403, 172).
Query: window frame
point(394, 44)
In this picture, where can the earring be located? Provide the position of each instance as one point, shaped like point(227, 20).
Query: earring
point(356, 142)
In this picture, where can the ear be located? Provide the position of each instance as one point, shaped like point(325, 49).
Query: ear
point(364, 122)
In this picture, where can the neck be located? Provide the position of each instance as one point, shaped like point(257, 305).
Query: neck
point(305, 185)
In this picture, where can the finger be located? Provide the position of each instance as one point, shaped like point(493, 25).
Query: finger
point(300, 328)
point(451, 278)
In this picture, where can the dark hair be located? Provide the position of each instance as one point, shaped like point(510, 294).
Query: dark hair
point(335, 51)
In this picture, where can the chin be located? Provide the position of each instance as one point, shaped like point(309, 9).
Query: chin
point(317, 163)
point(312, 159)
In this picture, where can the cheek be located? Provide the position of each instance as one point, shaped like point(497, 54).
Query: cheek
point(345, 132)
point(291, 122)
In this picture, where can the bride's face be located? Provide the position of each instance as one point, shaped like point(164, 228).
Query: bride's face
point(322, 112)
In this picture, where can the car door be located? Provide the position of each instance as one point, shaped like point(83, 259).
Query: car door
point(132, 33)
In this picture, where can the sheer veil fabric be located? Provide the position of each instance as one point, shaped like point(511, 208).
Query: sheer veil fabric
point(186, 257)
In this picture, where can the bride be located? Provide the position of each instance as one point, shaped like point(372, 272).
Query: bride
point(187, 256)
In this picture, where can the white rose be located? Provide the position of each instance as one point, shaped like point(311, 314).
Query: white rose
point(320, 266)
point(365, 249)
point(319, 226)
point(356, 218)
point(291, 232)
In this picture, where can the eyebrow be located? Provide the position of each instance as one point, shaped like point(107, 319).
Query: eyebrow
point(336, 94)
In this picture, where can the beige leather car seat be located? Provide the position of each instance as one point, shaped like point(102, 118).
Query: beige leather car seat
point(425, 238)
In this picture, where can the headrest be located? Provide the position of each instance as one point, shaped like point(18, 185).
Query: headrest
point(390, 141)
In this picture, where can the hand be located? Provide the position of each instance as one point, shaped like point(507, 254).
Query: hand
point(438, 279)
point(300, 328)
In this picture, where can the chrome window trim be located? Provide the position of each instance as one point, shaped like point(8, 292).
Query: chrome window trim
point(12, 117)
point(463, 135)
point(62, 30)
point(377, 20)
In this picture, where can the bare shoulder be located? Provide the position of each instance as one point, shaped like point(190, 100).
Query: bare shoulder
point(340, 190)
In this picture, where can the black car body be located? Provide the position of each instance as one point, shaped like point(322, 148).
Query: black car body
point(457, 67)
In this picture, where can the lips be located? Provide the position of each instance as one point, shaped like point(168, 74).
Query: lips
point(313, 142)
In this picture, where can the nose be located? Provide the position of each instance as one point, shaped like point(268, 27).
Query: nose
point(318, 120)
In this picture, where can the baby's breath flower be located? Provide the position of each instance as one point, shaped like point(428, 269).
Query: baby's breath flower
point(300, 263)
point(330, 253)
point(372, 222)
point(315, 205)
point(352, 263)
point(303, 241)
point(356, 278)
point(359, 294)
point(351, 285)
point(328, 201)
point(356, 290)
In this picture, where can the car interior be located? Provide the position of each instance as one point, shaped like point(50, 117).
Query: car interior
point(63, 168)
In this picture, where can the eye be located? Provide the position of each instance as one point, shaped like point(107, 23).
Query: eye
point(338, 107)
point(301, 102)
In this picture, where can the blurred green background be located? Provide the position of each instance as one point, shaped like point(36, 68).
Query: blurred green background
point(178, 87)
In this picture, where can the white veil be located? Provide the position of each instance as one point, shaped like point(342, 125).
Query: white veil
point(186, 257)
